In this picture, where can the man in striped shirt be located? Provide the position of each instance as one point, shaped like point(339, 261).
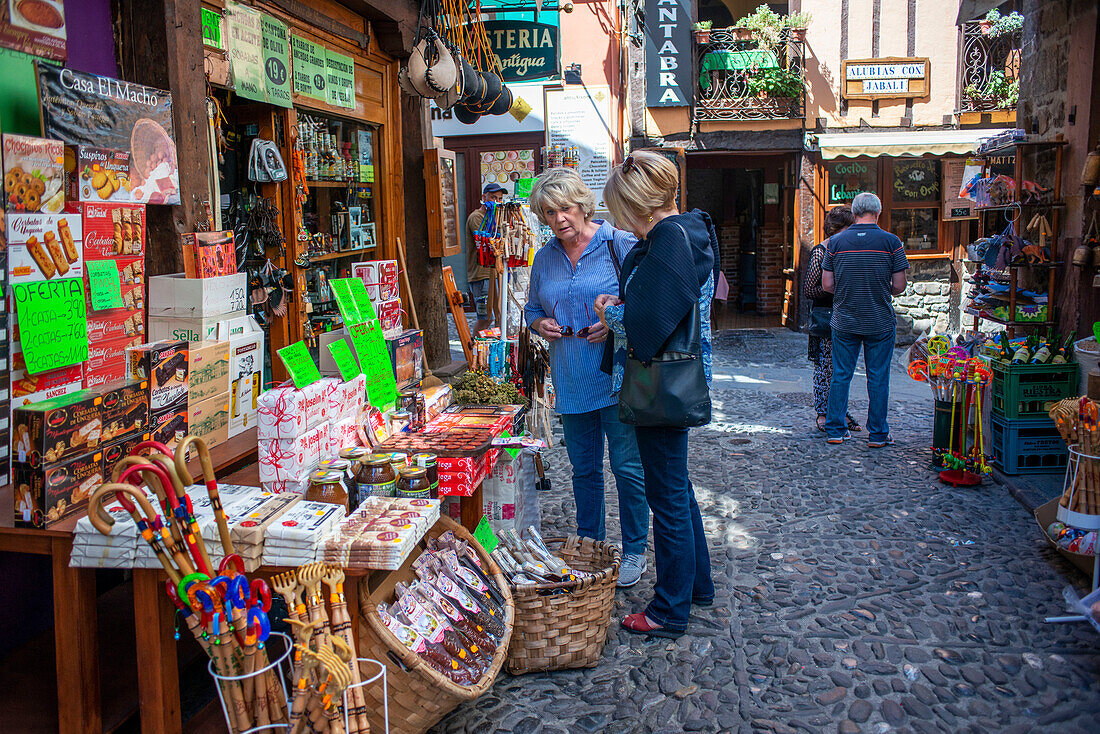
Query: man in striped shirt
point(863, 267)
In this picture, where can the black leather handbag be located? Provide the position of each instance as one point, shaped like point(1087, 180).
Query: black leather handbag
point(820, 317)
point(671, 391)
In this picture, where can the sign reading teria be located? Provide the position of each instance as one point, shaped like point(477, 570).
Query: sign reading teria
point(667, 53)
point(526, 50)
point(885, 78)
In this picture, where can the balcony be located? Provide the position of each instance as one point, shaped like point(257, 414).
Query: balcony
point(745, 79)
point(989, 77)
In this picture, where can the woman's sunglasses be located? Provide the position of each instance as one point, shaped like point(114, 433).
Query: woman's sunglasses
point(568, 330)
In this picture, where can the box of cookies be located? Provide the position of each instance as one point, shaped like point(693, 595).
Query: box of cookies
point(133, 297)
point(44, 246)
point(53, 491)
point(164, 365)
point(113, 230)
point(125, 408)
point(131, 270)
point(33, 174)
point(55, 429)
point(24, 385)
point(97, 174)
point(115, 323)
point(121, 446)
point(107, 361)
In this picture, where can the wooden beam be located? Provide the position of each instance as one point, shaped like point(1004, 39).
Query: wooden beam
point(320, 20)
point(395, 23)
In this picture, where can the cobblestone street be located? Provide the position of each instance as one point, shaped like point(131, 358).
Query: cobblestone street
point(855, 592)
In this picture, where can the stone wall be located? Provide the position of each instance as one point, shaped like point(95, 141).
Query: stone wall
point(930, 303)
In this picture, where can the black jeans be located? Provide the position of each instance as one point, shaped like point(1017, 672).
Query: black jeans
point(680, 547)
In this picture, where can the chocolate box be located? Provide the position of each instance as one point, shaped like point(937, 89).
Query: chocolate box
point(113, 230)
point(47, 432)
point(164, 365)
point(33, 174)
point(208, 363)
point(407, 357)
point(97, 175)
point(47, 494)
point(119, 447)
point(169, 425)
point(125, 408)
point(44, 246)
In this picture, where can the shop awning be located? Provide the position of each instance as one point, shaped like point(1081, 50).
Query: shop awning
point(973, 9)
point(906, 143)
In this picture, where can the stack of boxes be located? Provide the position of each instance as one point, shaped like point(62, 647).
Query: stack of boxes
point(1023, 436)
point(114, 232)
point(246, 368)
point(208, 391)
point(190, 308)
point(163, 367)
point(380, 278)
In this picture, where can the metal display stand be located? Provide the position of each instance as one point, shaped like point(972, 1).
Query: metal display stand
point(280, 664)
point(1083, 521)
point(365, 682)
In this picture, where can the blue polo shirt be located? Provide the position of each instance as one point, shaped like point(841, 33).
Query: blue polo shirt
point(863, 260)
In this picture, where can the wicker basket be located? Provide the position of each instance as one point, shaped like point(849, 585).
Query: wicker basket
point(419, 696)
point(565, 625)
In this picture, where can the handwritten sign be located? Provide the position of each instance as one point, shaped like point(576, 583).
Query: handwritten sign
point(309, 67)
point(485, 536)
point(246, 59)
point(374, 360)
point(53, 323)
point(362, 300)
point(339, 79)
point(303, 370)
point(344, 359)
point(276, 49)
point(917, 180)
point(524, 186)
point(345, 301)
point(104, 284)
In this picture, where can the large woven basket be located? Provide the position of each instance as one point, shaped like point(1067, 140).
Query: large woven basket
point(564, 625)
point(419, 696)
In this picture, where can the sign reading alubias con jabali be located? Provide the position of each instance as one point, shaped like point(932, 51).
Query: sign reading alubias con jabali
point(526, 50)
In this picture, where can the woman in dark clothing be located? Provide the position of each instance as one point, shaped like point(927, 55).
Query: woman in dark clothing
point(821, 347)
point(670, 271)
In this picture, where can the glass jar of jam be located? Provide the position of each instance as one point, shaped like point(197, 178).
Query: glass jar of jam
point(376, 477)
point(413, 483)
point(352, 455)
point(327, 485)
point(399, 459)
point(429, 462)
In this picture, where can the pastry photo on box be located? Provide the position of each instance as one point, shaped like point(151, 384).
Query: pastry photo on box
point(44, 246)
point(33, 174)
point(47, 494)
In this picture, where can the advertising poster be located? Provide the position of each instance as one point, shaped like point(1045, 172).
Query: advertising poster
point(340, 79)
point(581, 117)
point(507, 168)
point(245, 51)
point(276, 48)
point(87, 109)
point(36, 27)
point(309, 67)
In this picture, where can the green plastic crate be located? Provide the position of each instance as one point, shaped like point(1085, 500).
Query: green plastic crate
point(1023, 390)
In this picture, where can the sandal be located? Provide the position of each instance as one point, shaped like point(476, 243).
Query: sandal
point(637, 624)
point(821, 421)
point(853, 424)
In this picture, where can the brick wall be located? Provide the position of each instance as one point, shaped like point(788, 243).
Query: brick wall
point(769, 269)
point(729, 241)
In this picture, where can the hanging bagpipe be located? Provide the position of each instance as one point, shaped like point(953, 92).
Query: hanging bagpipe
point(453, 64)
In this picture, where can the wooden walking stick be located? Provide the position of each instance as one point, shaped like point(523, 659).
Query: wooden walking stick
point(182, 533)
point(341, 630)
point(167, 463)
point(211, 484)
point(206, 600)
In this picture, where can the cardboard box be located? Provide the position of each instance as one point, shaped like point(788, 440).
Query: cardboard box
point(23, 384)
point(47, 432)
point(107, 361)
point(115, 324)
point(131, 270)
point(407, 357)
point(39, 396)
point(208, 363)
point(113, 230)
point(177, 295)
point(209, 420)
point(97, 175)
point(389, 316)
point(208, 254)
point(169, 425)
point(51, 492)
point(120, 447)
point(380, 278)
point(44, 246)
point(164, 365)
point(188, 328)
point(246, 367)
point(125, 408)
point(34, 171)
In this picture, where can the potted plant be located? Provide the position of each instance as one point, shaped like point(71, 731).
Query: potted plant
point(763, 25)
point(797, 25)
point(994, 24)
point(774, 83)
point(702, 31)
point(998, 93)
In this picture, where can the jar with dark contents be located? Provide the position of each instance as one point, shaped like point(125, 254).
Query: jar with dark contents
point(429, 463)
point(399, 460)
point(327, 485)
point(420, 419)
point(376, 477)
point(352, 455)
point(413, 483)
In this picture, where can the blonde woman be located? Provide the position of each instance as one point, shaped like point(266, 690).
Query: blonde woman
point(671, 271)
point(580, 262)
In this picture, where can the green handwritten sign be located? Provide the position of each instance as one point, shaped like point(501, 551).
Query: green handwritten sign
point(53, 323)
point(524, 186)
point(484, 535)
point(212, 29)
point(344, 359)
point(339, 79)
point(362, 300)
point(346, 301)
point(374, 360)
point(104, 284)
point(303, 370)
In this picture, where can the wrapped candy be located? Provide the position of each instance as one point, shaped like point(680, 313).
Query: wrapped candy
point(342, 434)
point(281, 414)
point(283, 460)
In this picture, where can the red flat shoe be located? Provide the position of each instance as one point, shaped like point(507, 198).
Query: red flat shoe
point(637, 624)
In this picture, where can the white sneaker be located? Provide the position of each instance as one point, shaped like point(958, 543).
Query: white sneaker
point(631, 570)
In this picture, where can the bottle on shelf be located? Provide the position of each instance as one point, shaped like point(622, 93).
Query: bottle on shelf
point(1022, 354)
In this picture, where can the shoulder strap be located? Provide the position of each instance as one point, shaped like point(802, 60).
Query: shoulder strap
point(614, 255)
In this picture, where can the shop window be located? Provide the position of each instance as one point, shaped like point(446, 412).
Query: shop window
point(849, 177)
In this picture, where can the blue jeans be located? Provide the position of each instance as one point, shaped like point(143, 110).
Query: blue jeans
point(679, 544)
point(877, 352)
point(584, 434)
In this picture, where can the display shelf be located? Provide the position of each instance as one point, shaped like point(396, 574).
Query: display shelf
point(994, 319)
point(1021, 204)
point(325, 184)
point(1011, 147)
point(342, 253)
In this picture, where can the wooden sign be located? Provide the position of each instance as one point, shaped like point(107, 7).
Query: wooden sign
point(888, 78)
point(954, 206)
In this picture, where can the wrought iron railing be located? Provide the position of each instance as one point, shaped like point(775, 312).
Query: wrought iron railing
point(742, 79)
point(988, 62)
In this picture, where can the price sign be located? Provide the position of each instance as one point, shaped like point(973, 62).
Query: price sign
point(374, 360)
point(104, 284)
point(523, 187)
point(303, 370)
point(346, 302)
point(362, 300)
point(484, 535)
point(344, 359)
point(53, 323)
